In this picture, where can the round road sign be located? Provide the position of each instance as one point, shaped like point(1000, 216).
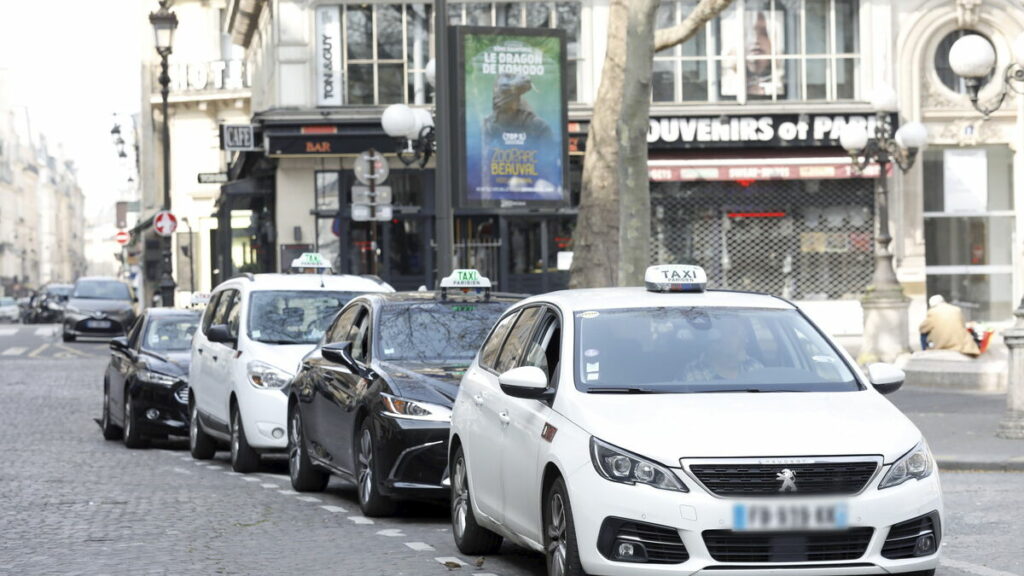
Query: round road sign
point(371, 166)
point(122, 237)
point(164, 223)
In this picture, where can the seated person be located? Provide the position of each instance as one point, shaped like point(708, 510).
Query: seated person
point(725, 354)
point(944, 327)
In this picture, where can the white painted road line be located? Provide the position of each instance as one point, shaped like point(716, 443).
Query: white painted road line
point(268, 485)
point(972, 568)
point(391, 533)
point(250, 479)
point(335, 509)
point(452, 561)
point(14, 351)
point(8, 331)
point(312, 499)
point(233, 473)
point(287, 492)
point(214, 467)
point(420, 546)
point(186, 458)
point(360, 520)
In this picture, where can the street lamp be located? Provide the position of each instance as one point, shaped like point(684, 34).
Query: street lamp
point(164, 23)
point(886, 325)
point(973, 58)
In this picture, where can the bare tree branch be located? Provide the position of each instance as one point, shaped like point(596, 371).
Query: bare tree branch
point(706, 10)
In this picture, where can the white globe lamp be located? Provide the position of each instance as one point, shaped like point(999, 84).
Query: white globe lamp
point(431, 71)
point(398, 121)
point(423, 119)
point(912, 136)
point(972, 56)
point(853, 137)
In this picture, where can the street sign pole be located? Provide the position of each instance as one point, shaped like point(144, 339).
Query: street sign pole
point(373, 212)
point(444, 227)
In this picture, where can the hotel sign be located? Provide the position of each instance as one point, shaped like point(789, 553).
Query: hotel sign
point(206, 76)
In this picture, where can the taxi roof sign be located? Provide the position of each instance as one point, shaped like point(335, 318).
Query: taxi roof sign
point(675, 278)
point(465, 278)
point(311, 260)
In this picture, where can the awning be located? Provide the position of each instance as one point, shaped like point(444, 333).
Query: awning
point(746, 169)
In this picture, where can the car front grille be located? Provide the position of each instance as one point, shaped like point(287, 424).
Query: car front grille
point(729, 546)
point(661, 544)
point(902, 539)
point(821, 478)
point(181, 394)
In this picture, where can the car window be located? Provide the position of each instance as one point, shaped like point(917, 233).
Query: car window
point(696, 350)
point(447, 331)
point(293, 316)
point(489, 352)
point(102, 290)
point(209, 311)
point(343, 325)
point(227, 297)
point(543, 350)
point(360, 336)
point(515, 345)
point(233, 315)
point(170, 333)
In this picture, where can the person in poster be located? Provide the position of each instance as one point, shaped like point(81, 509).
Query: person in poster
point(752, 25)
point(513, 112)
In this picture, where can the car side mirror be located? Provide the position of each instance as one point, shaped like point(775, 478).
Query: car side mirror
point(341, 353)
point(220, 333)
point(525, 382)
point(886, 378)
point(119, 344)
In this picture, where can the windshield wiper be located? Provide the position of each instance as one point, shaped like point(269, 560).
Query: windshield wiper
point(622, 390)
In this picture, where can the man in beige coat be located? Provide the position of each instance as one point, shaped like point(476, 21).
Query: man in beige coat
point(945, 328)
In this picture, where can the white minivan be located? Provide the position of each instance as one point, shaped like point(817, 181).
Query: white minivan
point(254, 332)
point(673, 430)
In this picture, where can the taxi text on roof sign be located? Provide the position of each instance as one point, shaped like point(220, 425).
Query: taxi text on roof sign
point(310, 260)
point(465, 279)
point(675, 278)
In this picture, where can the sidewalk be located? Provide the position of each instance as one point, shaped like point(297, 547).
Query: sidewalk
point(961, 428)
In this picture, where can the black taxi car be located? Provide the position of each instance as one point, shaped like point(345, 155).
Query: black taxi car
point(372, 403)
point(145, 388)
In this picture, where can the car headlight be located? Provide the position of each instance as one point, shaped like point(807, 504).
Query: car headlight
point(413, 410)
point(617, 465)
point(916, 464)
point(156, 377)
point(267, 377)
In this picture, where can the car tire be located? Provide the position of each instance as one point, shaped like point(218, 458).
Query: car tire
point(371, 501)
point(67, 337)
point(470, 537)
point(130, 431)
point(110, 431)
point(200, 445)
point(244, 458)
point(561, 551)
point(305, 478)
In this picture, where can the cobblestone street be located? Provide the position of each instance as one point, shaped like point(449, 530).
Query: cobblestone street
point(76, 504)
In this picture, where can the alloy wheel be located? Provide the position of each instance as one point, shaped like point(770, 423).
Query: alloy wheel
point(556, 535)
point(234, 438)
point(127, 417)
point(460, 498)
point(193, 428)
point(365, 466)
point(295, 444)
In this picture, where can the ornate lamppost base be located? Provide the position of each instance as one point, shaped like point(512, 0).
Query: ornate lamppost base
point(886, 326)
point(1012, 424)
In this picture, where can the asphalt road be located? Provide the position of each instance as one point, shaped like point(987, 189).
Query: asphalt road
point(73, 503)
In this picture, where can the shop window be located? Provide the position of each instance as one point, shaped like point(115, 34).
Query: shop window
point(387, 45)
point(942, 68)
point(762, 50)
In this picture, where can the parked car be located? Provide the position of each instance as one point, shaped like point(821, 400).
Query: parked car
point(372, 404)
point(677, 430)
point(98, 307)
point(254, 333)
point(48, 305)
point(9, 311)
point(145, 388)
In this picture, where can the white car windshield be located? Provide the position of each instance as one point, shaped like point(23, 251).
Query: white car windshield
point(293, 316)
point(686, 350)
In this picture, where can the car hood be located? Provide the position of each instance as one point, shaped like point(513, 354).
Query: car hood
point(437, 383)
point(668, 427)
point(171, 363)
point(90, 305)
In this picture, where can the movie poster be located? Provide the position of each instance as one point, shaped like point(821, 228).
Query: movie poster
point(513, 116)
point(750, 38)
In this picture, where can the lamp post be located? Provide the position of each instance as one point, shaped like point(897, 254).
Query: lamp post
point(886, 328)
point(972, 58)
point(164, 22)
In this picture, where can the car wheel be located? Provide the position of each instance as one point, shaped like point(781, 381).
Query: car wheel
point(304, 477)
point(67, 337)
point(563, 557)
point(130, 431)
point(110, 432)
point(243, 457)
point(372, 502)
point(200, 444)
point(470, 537)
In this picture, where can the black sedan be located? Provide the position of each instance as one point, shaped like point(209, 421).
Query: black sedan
point(145, 389)
point(373, 403)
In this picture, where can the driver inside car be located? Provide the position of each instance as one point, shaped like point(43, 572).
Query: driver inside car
point(725, 353)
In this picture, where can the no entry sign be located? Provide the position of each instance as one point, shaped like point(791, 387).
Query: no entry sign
point(164, 223)
point(122, 237)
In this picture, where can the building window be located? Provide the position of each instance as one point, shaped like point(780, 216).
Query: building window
point(762, 50)
point(387, 46)
point(945, 71)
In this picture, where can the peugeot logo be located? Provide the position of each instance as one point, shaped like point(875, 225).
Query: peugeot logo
point(788, 479)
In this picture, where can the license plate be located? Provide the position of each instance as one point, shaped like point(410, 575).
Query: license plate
point(97, 324)
point(789, 516)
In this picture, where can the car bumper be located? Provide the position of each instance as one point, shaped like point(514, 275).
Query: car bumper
point(170, 404)
point(264, 418)
point(85, 326)
point(413, 457)
point(692, 514)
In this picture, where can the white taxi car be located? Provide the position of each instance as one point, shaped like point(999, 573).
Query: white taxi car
point(253, 335)
point(673, 430)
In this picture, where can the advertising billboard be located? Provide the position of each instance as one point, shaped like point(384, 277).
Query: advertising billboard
point(510, 98)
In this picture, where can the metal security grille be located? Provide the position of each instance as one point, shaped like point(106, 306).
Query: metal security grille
point(800, 239)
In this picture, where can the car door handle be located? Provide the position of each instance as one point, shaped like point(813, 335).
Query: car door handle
point(200, 350)
point(504, 417)
point(478, 399)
